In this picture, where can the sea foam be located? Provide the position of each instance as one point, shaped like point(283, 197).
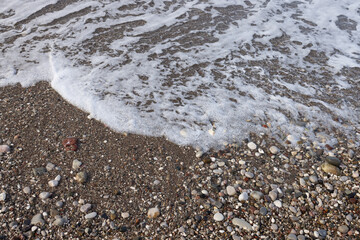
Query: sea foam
point(200, 73)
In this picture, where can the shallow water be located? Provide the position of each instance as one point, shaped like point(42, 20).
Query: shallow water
point(198, 72)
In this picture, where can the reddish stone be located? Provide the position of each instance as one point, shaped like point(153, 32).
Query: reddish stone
point(70, 144)
point(352, 200)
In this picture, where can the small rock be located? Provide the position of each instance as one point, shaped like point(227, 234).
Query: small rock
point(274, 150)
point(243, 196)
point(242, 224)
point(230, 190)
point(256, 195)
point(329, 168)
point(263, 211)
point(39, 171)
point(90, 215)
point(44, 195)
point(37, 219)
point(59, 221)
point(273, 195)
point(59, 203)
point(4, 149)
point(27, 190)
point(291, 236)
point(218, 217)
point(76, 164)
point(274, 227)
point(70, 144)
point(50, 166)
point(322, 233)
point(343, 229)
point(85, 208)
point(81, 177)
point(3, 196)
point(249, 174)
point(53, 183)
point(313, 179)
point(251, 146)
point(333, 161)
point(355, 174)
point(153, 213)
point(125, 215)
point(278, 203)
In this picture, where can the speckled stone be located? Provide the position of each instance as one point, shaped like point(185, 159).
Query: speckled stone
point(218, 217)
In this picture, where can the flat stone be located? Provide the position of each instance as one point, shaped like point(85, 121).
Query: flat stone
point(251, 146)
point(39, 171)
point(313, 179)
point(90, 215)
point(243, 196)
point(274, 150)
point(329, 168)
point(85, 208)
point(50, 166)
point(230, 190)
point(44, 195)
point(125, 215)
point(76, 164)
point(322, 233)
point(37, 219)
point(53, 183)
point(249, 175)
point(256, 195)
point(3, 196)
point(273, 195)
point(218, 217)
point(27, 190)
point(278, 203)
point(153, 213)
point(343, 229)
point(59, 221)
point(263, 211)
point(242, 224)
point(333, 161)
point(291, 236)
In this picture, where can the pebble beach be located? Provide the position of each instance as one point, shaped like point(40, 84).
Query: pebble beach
point(65, 176)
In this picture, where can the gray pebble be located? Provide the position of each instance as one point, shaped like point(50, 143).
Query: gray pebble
point(343, 229)
point(90, 215)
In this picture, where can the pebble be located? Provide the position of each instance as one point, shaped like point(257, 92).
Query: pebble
point(274, 227)
point(243, 196)
point(291, 236)
point(44, 195)
point(256, 195)
point(333, 161)
point(273, 195)
point(59, 221)
point(263, 211)
point(53, 183)
point(125, 215)
point(218, 217)
point(153, 213)
point(274, 150)
point(355, 174)
point(242, 224)
point(3, 196)
point(278, 203)
point(50, 166)
point(251, 146)
point(322, 233)
point(4, 148)
point(313, 179)
point(76, 164)
point(90, 215)
point(343, 229)
point(59, 203)
point(39, 171)
point(27, 190)
point(37, 219)
point(81, 177)
point(328, 168)
point(249, 175)
point(230, 190)
point(85, 208)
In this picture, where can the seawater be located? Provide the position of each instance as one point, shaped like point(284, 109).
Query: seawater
point(200, 73)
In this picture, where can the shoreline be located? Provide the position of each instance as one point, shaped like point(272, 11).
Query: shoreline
point(129, 174)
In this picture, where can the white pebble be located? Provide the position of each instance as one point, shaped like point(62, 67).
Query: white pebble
point(4, 148)
point(274, 150)
point(125, 215)
point(243, 196)
point(153, 213)
point(53, 183)
point(249, 175)
point(76, 164)
point(85, 208)
point(273, 195)
point(251, 146)
point(218, 217)
point(3, 196)
point(90, 215)
point(278, 203)
point(242, 224)
point(27, 190)
point(44, 195)
point(230, 190)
